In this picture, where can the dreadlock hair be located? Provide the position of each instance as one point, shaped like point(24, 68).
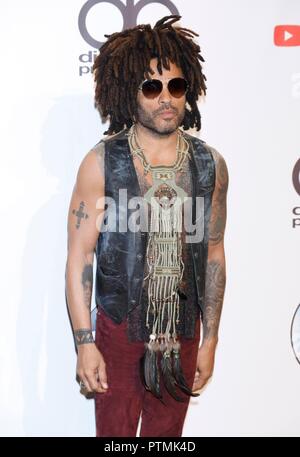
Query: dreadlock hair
point(124, 60)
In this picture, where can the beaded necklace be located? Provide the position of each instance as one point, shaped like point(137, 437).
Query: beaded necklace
point(166, 267)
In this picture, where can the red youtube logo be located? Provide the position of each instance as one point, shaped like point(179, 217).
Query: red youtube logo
point(287, 35)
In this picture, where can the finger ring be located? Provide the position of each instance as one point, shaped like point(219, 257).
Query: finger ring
point(82, 385)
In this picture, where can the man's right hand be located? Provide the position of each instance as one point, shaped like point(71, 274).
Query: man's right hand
point(91, 368)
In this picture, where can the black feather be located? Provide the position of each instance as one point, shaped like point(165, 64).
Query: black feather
point(142, 370)
point(169, 381)
point(179, 376)
point(149, 373)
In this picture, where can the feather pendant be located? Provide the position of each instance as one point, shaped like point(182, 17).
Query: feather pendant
point(178, 374)
point(149, 372)
point(169, 381)
point(143, 363)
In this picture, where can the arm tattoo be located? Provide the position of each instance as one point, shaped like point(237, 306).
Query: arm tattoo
point(87, 283)
point(214, 292)
point(218, 212)
point(100, 154)
point(79, 213)
point(83, 336)
point(215, 277)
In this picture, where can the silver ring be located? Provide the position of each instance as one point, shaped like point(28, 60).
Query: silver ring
point(82, 385)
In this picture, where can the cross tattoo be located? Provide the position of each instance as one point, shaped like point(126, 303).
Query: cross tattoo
point(80, 214)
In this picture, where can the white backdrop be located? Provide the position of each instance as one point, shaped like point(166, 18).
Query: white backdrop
point(48, 123)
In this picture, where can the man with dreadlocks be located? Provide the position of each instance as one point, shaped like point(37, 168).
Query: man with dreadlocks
point(159, 281)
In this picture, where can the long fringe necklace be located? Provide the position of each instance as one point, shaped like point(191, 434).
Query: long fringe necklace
point(165, 270)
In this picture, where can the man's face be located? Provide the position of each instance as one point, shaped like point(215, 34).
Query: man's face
point(149, 111)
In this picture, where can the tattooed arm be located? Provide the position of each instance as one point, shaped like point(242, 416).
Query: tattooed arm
point(84, 217)
point(215, 278)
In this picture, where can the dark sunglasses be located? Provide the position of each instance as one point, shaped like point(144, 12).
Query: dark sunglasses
point(151, 88)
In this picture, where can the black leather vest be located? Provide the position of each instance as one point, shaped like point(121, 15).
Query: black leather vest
point(121, 254)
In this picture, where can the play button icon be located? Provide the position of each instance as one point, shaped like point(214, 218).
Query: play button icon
point(287, 35)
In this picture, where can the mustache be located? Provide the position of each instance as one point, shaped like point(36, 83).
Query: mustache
point(166, 108)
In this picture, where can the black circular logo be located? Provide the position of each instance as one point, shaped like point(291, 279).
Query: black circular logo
point(296, 176)
point(129, 13)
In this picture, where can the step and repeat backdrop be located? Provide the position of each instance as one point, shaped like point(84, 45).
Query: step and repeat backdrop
point(251, 115)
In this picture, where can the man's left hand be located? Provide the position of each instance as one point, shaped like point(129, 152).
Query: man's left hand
point(205, 367)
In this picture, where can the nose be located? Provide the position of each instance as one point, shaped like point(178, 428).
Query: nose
point(165, 96)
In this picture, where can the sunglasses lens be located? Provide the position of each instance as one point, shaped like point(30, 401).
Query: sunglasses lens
point(151, 89)
point(177, 87)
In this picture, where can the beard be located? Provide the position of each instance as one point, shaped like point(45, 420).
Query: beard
point(158, 126)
